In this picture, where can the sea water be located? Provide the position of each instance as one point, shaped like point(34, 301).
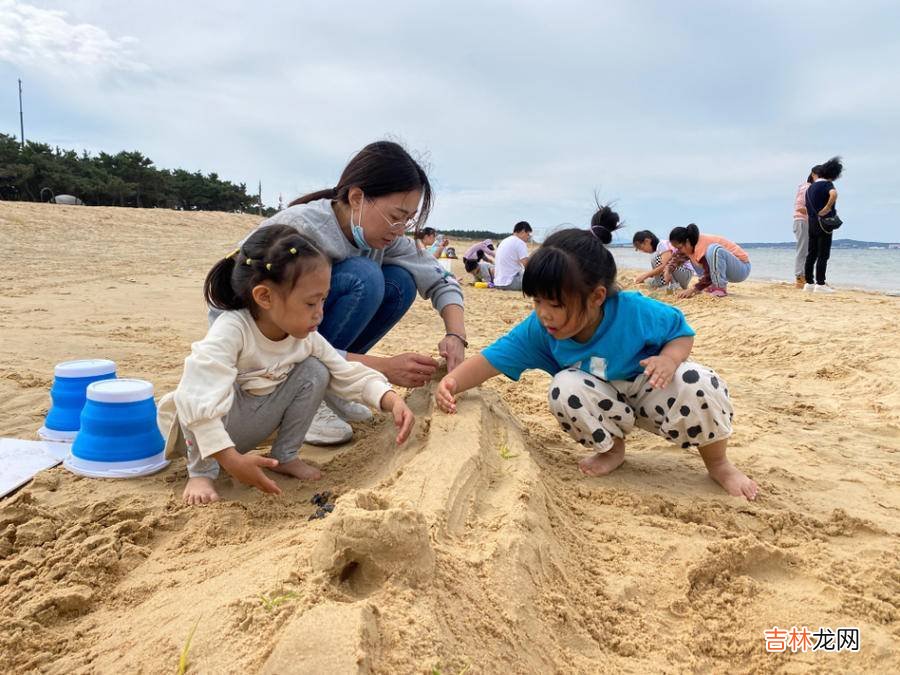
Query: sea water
point(870, 269)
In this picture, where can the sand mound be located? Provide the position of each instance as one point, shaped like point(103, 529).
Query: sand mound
point(477, 545)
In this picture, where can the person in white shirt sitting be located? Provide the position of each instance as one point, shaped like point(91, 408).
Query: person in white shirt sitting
point(263, 367)
point(512, 254)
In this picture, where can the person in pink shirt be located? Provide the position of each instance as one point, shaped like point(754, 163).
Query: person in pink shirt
point(801, 232)
point(479, 260)
point(716, 259)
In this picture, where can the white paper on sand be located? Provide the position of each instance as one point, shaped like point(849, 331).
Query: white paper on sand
point(21, 460)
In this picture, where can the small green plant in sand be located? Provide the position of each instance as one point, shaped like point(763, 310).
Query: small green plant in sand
point(505, 453)
point(276, 600)
point(437, 671)
point(183, 658)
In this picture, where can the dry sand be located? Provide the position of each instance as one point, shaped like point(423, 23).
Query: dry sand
point(478, 546)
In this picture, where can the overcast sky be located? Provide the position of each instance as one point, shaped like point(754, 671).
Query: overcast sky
point(706, 112)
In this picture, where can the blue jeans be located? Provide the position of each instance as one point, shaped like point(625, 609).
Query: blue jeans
point(366, 300)
point(724, 266)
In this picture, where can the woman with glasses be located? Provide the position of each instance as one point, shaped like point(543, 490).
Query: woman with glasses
point(360, 225)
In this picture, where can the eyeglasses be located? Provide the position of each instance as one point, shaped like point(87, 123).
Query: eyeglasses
point(397, 228)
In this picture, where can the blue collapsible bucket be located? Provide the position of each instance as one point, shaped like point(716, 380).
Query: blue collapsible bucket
point(70, 383)
point(119, 437)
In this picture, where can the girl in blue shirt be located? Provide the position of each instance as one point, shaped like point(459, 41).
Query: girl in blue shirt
point(618, 359)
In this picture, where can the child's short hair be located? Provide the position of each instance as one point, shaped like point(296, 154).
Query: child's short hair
point(425, 232)
point(521, 226)
point(572, 263)
point(275, 253)
point(643, 235)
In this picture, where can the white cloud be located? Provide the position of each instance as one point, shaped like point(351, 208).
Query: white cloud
point(47, 40)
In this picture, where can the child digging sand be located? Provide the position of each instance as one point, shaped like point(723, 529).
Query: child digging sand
point(618, 359)
point(263, 367)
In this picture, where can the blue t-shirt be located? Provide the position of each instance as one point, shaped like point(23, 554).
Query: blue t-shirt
point(633, 328)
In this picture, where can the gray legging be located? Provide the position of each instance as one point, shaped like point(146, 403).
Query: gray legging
point(681, 275)
point(252, 419)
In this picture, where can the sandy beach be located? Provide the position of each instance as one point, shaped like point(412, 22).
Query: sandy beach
point(477, 547)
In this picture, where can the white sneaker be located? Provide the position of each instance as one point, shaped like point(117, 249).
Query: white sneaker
point(809, 288)
point(327, 428)
point(349, 411)
point(824, 289)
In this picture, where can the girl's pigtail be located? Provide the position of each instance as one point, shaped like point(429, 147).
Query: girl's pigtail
point(217, 287)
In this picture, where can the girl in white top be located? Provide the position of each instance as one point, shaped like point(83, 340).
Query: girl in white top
point(263, 367)
point(662, 251)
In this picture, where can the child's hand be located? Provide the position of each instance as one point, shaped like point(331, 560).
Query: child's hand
point(248, 469)
point(403, 416)
point(659, 370)
point(444, 394)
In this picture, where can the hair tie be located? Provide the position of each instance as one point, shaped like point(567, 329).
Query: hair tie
point(269, 266)
point(248, 261)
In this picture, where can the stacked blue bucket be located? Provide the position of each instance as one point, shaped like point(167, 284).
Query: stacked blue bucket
point(112, 421)
point(70, 383)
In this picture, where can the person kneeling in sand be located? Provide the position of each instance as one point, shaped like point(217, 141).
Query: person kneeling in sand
point(618, 359)
point(263, 367)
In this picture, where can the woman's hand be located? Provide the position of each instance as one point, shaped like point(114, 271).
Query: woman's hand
point(445, 394)
point(403, 416)
point(687, 293)
point(408, 369)
point(452, 349)
point(659, 370)
point(640, 278)
point(248, 469)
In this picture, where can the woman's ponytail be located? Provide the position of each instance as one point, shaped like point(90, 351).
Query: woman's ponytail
point(330, 193)
point(680, 235)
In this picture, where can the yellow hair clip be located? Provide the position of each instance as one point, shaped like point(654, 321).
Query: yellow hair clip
point(249, 260)
point(293, 251)
point(233, 253)
point(269, 266)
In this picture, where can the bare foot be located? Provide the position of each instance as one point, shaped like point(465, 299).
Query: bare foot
point(735, 482)
point(726, 474)
point(199, 490)
point(602, 463)
point(298, 469)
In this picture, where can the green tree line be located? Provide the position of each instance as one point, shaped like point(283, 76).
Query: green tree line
point(127, 178)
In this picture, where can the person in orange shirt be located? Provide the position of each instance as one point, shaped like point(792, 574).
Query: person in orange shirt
point(716, 259)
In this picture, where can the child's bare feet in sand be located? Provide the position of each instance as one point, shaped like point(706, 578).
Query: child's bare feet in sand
point(733, 480)
point(602, 463)
point(199, 490)
point(298, 469)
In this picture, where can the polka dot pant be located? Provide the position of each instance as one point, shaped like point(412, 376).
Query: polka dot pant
point(693, 409)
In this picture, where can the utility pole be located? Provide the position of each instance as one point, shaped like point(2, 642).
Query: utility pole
point(260, 198)
point(21, 117)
